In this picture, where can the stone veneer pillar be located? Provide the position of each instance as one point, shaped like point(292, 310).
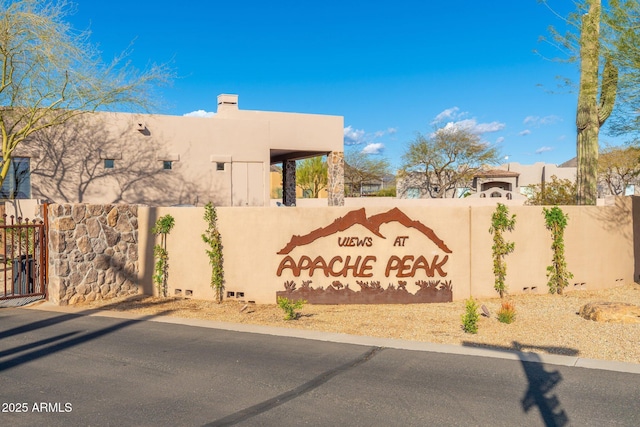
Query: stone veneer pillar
point(335, 185)
point(93, 252)
point(289, 183)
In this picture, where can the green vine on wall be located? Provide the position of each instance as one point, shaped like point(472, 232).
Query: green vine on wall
point(213, 238)
point(162, 228)
point(500, 223)
point(557, 273)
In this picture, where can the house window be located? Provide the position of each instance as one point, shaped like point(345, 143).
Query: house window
point(413, 193)
point(219, 166)
point(167, 164)
point(463, 192)
point(17, 184)
point(109, 163)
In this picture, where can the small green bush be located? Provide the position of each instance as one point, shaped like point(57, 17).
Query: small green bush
point(507, 312)
point(162, 228)
point(470, 318)
point(557, 273)
point(289, 307)
point(501, 222)
point(213, 239)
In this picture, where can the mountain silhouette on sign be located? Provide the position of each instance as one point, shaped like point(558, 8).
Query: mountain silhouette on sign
point(372, 224)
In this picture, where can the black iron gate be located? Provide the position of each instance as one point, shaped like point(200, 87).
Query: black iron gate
point(23, 258)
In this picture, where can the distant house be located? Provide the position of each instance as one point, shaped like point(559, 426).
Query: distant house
point(169, 160)
point(496, 183)
point(511, 181)
point(368, 187)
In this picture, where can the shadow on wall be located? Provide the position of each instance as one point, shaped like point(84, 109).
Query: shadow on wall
point(145, 281)
point(68, 166)
point(617, 219)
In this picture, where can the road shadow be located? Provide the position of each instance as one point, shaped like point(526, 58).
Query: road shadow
point(541, 383)
point(45, 347)
point(246, 414)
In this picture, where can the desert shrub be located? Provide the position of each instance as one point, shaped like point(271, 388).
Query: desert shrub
point(507, 312)
point(553, 192)
point(470, 317)
point(289, 307)
point(385, 192)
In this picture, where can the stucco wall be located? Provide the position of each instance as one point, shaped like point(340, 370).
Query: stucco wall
point(599, 248)
point(67, 162)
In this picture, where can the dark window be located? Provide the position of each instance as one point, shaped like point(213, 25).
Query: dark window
point(167, 164)
point(109, 163)
point(17, 184)
point(220, 166)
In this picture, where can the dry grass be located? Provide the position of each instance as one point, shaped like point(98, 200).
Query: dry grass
point(544, 323)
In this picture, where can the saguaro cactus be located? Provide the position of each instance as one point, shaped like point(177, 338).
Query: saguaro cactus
point(592, 113)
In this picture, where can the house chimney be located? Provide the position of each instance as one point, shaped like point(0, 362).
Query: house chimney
point(227, 102)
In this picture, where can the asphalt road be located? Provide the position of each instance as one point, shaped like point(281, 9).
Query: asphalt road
point(60, 369)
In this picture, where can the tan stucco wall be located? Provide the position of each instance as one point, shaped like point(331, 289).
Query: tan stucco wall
point(599, 247)
point(68, 162)
point(539, 172)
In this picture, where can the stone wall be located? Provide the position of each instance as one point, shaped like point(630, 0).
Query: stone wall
point(335, 187)
point(93, 252)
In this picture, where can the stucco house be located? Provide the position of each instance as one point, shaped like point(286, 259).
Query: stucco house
point(162, 160)
point(510, 180)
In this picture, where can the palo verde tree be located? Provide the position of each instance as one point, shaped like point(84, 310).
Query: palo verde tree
point(501, 222)
point(622, 17)
point(447, 159)
point(618, 167)
point(312, 175)
point(360, 168)
point(51, 73)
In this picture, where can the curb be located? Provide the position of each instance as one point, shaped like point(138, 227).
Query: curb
point(549, 359)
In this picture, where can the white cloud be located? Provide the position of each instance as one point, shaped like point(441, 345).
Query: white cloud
point(543, 149)
point(500, 140)
point(488, 127)
point(472, 125)
point(448, 114)
point(199, 113)
point(373, 148)
point(541, 121)
point(359, 136)
point(525, 132)
point(353, 136)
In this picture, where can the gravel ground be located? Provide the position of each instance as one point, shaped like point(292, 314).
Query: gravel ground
point(544, 323)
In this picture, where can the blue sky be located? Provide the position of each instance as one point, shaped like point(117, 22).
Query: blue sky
point(390, 68)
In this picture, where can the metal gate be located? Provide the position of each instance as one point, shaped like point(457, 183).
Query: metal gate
point(23, 258)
